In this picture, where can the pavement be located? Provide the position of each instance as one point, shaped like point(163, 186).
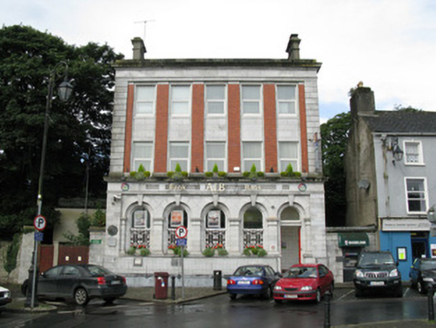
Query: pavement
point(147, 294)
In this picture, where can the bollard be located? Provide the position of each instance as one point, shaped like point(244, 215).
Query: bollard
point(173, 288)
point(430, 302)
point(327, 297)
point(217, 276)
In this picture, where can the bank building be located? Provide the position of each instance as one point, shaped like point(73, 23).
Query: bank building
point(229, 149)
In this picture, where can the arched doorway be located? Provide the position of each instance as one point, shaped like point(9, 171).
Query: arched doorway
point(290, 237)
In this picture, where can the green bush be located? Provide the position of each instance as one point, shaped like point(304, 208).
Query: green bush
point(215, 168)
point(222, 252)
point(261, 252)
point(209, 252)
point(144, 252)
point(246, 252)
point(208, 174)
point(222, 174)
point(261, 174)
point(246, 174)
point(131, 250)
point(10, 256)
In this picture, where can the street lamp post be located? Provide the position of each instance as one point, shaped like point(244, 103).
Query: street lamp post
point(64, 92)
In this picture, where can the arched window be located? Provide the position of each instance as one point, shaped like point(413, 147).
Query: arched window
point(253, 227)
point(215, 228)
point(290, 214)
point(177, 217)
point(140, 227)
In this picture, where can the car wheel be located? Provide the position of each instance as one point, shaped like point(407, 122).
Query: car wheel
point(318, 296)
point(81, 296)
point(232, 296)
point(268, 294)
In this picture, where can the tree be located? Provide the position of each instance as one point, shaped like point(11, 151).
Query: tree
point(334, 135)
point(79, 129)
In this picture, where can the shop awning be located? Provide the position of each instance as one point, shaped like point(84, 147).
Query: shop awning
point(353, 239)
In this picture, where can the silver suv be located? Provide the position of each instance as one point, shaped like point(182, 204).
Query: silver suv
point(377, 271)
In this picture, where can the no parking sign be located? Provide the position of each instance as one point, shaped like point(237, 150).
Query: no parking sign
point(40, 223)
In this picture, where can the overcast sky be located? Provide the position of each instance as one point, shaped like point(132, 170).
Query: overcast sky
point(390, 45)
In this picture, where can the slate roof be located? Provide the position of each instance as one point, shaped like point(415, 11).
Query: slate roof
point(401, 122)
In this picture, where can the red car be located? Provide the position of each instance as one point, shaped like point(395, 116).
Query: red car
point(304, 282)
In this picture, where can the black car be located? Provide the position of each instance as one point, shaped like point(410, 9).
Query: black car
point(79, 282)
point(423, 274)
point(377, 271)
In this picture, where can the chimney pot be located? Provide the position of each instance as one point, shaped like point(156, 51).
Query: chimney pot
point(293, 48)
point(138, 48)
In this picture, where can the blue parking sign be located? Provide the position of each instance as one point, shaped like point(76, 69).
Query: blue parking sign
point(181, 242)
point(39, 236)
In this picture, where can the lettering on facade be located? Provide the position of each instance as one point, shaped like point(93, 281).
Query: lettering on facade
point(216, 187)
point(177, 187)
point(252, 187)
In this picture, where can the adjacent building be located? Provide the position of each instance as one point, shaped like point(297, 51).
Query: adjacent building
point(202, 143)
point(391, 180)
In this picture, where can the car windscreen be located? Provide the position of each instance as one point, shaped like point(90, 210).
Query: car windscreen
point(376, 258)
point(249, 271)
point(301, 272)
point(428, 265)
point(97, 271)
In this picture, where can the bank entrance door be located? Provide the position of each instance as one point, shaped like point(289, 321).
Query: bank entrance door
point(290, 246)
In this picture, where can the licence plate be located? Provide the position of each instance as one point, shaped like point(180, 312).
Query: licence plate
point(376, 283)
point(291, 296)
point(243, 282)
point(116, 282)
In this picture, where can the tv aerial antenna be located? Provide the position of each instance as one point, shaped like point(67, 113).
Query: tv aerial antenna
point(145, 25)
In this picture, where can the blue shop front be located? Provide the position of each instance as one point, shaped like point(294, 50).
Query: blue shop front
point(407, 239)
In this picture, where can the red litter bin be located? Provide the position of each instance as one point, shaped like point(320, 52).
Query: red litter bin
point(161, 285)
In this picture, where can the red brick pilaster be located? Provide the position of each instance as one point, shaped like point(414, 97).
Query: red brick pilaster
point(270, 127)
point(303, 129)
point(234, 127)
point(161, 138)
point(197, 137)
point(128, 129)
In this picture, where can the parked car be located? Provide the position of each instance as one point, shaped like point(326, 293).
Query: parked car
point(377, 271)
point(423, 274)
point(79, 282)
point(5, 298)
point(304, 282)
point(252, 280)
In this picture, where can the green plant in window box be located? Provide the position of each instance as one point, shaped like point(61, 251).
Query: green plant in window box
point(246, 252)
point(208, 174)
point(141, 174)
point(222, 252)
point(261, 252)
point(215, 169)
point(222, 174)
point(143, 250)
point(289, 173)
point(260, 174)
point(209, 252)
point(131, 250)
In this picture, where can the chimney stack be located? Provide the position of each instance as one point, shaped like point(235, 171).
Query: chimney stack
point(138, 49)
point(293, 48)
point(362, 100)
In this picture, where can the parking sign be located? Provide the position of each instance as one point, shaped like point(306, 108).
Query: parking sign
point(40, 223)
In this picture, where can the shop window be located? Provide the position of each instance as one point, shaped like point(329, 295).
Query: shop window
point(140, 227)
point(253, 227)
point(215, 228)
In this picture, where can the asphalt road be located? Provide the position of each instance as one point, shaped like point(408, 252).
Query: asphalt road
point(219, 311)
